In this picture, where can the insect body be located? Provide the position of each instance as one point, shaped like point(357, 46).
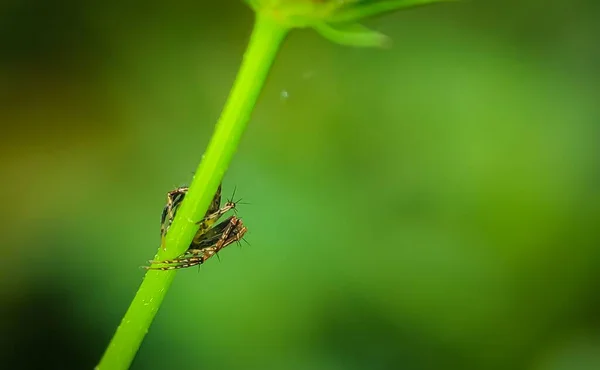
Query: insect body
point(212, 215)
point(220, 236)
point(209, 239)
point(174, 199)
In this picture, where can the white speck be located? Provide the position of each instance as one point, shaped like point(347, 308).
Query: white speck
point(284, 95)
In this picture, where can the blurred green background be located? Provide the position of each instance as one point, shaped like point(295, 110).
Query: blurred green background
point(431, 206)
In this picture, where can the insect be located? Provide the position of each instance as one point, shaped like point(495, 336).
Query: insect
point(220, 236)
point(212, 215)
point(209, 239)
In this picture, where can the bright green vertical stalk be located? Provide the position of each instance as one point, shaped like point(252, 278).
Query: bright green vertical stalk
point(265, 41)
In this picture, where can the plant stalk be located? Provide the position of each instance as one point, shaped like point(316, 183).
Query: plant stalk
point(265, 41)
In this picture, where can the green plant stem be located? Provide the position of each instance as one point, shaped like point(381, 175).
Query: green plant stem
point(264, 44)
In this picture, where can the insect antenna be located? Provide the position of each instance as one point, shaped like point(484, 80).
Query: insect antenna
point(232, 204)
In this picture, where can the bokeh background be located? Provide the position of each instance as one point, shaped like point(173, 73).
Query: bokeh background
point(431, 206)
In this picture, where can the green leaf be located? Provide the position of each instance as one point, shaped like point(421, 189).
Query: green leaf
point(354, 11)
point(352, 35)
